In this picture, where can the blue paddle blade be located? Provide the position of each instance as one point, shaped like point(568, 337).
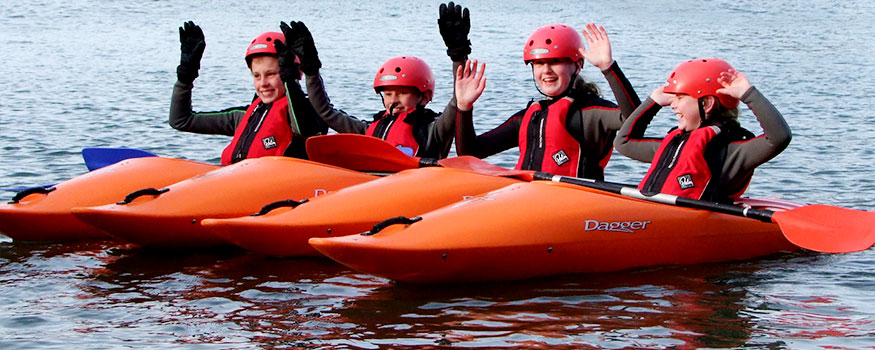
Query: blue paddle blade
point(99, 157)
point(23, 188)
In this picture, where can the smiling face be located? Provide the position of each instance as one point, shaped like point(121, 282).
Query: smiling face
point(405, 98)
point(553, 75)
point(266, 77)
point(686, 108)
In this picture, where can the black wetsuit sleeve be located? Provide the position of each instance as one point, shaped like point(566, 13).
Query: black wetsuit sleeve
point(182, 117)
point(499, 139)
point(623, 91)
point(744, 156)
point(303, 119)
point(630, 140)
point(335, 118)
point(442, 131)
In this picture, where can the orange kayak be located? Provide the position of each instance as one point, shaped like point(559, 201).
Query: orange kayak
point(171, 218)
point(544, 228)
point(284, 232)
point(46, 217)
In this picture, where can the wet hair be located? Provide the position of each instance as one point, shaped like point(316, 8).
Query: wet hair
point(720, 113)
point(581, 86)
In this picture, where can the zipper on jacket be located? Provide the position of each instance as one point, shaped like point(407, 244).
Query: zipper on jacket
point(246, 138)
point(536, 144)
point(666, 163)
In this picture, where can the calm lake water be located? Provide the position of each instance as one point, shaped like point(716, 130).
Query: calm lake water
point(98, 73)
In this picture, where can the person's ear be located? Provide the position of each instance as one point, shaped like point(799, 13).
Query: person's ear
point(709, 104)
point(426, 97)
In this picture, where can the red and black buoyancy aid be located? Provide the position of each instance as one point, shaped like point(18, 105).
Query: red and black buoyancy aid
point(545, 143)
point(263, 131)
point(387, 127)
point(688, 164)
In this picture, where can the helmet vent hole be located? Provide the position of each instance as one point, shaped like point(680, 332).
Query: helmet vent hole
point(397, 69)
point(531, 42)
point(549, 41)
point(381, 70)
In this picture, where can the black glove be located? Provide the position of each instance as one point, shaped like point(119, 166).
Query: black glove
point(289, 69)
point(301, 42)
point(192, 44)
point(455, 23)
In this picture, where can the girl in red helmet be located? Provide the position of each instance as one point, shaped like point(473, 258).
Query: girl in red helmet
point(406, 86)
point(709, 155)
point(570, 132)
point(265, 127)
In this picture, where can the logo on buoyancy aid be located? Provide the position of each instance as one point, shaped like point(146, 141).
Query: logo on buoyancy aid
point(560, 157)
point(615, 226)
point(269, 142)
point(686, 181)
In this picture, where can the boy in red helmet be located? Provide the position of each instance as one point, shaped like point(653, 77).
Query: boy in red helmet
point(571, 131)
point(709, 156)
point(267, 126)
point(406, 85)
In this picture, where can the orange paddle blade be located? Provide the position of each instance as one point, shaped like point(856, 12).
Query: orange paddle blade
point(828, 229)
point(359, 152)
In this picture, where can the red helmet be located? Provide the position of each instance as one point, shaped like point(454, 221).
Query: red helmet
point(698, 78)
point(263, 45)
point(405, 71)
point(553, 41)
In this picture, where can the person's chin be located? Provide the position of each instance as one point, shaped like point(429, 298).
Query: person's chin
point(267, 98)
point(550, 89)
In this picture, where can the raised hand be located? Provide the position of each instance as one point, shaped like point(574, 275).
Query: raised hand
point(470, 84)
point(289, 68)
point(660, 97)
point(192, 45)
point(299, 39)
point(454, 23)
point(599, 53)
point(734, 83)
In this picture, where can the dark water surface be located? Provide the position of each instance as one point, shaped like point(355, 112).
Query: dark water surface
point(82, 74)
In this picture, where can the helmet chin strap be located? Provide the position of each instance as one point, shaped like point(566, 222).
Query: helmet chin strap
point(703, 118)
point(391, 109)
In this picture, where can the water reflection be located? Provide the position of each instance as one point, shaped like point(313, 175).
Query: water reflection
point(235, 299)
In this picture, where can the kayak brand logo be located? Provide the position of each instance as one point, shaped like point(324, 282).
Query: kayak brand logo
point(686, 181)
point(471, 199)
point(560, 157)
point(615, 226)
point(269, 142)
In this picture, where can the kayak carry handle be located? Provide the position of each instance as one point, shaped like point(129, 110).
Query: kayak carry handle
point(389, 222)
point(279, 204)
point(39, 189)
point(151, 191)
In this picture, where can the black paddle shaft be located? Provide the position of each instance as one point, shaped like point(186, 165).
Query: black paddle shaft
point(629, 191)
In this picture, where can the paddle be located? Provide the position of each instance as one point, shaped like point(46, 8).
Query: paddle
point(99, 157)
point(366, 153)
point(96, 158)
point(816, 227)
point(362, 153)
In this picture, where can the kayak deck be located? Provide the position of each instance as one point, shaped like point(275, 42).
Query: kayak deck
point(47, 217)
point(172, 219)
point(543, 228)
point(355, 209)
